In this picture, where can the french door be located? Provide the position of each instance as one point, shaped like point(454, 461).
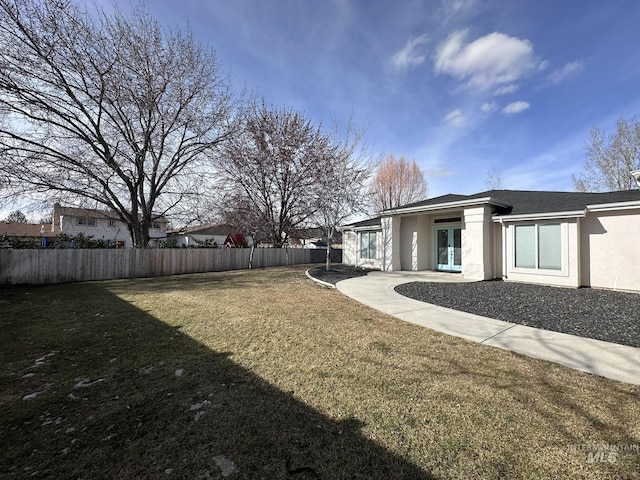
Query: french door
point(448, 249)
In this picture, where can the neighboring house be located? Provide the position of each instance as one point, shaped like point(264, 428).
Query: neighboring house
point(201, 235)
point(558, 238)
point(39, 234)
point(100, 225)
point(314, 238)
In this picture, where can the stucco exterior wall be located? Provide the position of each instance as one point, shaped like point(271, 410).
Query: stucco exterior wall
point(610, 250)
point(349, 240)
point(351, 250)
point(409, 243)
point(477, 243)
point(567, 276)
point(391, 243)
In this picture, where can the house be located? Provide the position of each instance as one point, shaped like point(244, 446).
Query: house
point(314, 237)
point(100, 225)
point(27, 234)
point(203, 235)
point(568, 239)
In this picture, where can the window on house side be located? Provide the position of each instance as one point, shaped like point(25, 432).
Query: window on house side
point(92, 222)
point(368, 245)
point(538, 246)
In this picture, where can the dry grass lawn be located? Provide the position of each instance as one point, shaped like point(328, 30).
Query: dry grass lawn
point(264, 374)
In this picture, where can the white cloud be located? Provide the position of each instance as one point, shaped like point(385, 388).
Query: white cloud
point(489, 107)
point(454, 7)
point(568, 70)
point(412, 54)
point(438, 172)
point(455, 118)
point(504, 90)
point(490, 61)
point(516, 107)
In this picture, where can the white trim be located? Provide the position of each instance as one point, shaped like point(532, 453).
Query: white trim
point(443, 206)
point(613, 206)
point(565, 248)
point(539, 216)
point(360, 229)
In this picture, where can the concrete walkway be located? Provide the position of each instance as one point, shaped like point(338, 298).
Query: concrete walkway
point(607, 359)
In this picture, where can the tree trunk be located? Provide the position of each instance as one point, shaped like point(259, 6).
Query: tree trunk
point(329, 236)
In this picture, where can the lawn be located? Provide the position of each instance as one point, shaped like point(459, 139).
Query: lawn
point(264, 374)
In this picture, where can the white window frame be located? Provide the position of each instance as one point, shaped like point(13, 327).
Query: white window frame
point(361, 253)
point(536, 268)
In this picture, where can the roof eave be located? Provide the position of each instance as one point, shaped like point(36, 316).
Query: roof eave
point(539, 216)
point(604, 207)
point(447, 206)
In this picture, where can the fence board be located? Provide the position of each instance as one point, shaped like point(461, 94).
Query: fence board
point(43, 266)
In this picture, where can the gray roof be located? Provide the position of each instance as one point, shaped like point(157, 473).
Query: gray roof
point(369, 222)
point(523, 202)
point(207, 229)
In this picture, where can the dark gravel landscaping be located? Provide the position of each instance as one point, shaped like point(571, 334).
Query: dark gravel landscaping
point(600, 314)
point(337, 273)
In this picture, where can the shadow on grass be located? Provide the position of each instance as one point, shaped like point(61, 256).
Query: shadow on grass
point(93, 387)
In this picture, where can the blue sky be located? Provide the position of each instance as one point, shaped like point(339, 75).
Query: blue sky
point(460, 86)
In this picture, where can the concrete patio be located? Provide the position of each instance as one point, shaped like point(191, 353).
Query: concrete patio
point(607, 359)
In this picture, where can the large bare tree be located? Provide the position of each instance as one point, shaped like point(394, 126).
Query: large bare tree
point(343, 180)
point(106, 110)
point(610, 159)
point(397, 182)
point(273, 168)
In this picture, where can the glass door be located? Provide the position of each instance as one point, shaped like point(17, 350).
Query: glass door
point(448, 243)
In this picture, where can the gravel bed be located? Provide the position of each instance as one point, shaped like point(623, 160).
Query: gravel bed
point(599, 314)
point(337, 273)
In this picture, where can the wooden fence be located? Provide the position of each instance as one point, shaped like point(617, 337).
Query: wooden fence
point(39, 267)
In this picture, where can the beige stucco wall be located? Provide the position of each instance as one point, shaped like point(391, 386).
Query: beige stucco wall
point(567, 276)
point(477, 243)
point(409, 243)
point(610, 250)
point(391, 243)
point(349, 241)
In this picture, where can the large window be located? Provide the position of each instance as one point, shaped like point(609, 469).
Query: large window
point(538, 246)
point(368, 245)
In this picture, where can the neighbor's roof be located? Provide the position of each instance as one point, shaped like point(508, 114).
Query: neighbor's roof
point(206, 229)
point(94, 213)
point(525, 202)
point(13, 229)
point(314, 232)
point(86, 212)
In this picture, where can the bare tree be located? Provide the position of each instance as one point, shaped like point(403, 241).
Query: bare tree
point(16, 217)
point(343, 181)
point(273, 168)
point(611, 159)
point(493, 179)
point(397, 182)
point(108, 111)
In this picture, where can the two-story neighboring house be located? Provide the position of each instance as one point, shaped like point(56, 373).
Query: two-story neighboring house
point(100, 225)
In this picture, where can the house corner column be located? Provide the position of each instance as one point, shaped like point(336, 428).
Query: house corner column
point(390, 243)
point(477, 243)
